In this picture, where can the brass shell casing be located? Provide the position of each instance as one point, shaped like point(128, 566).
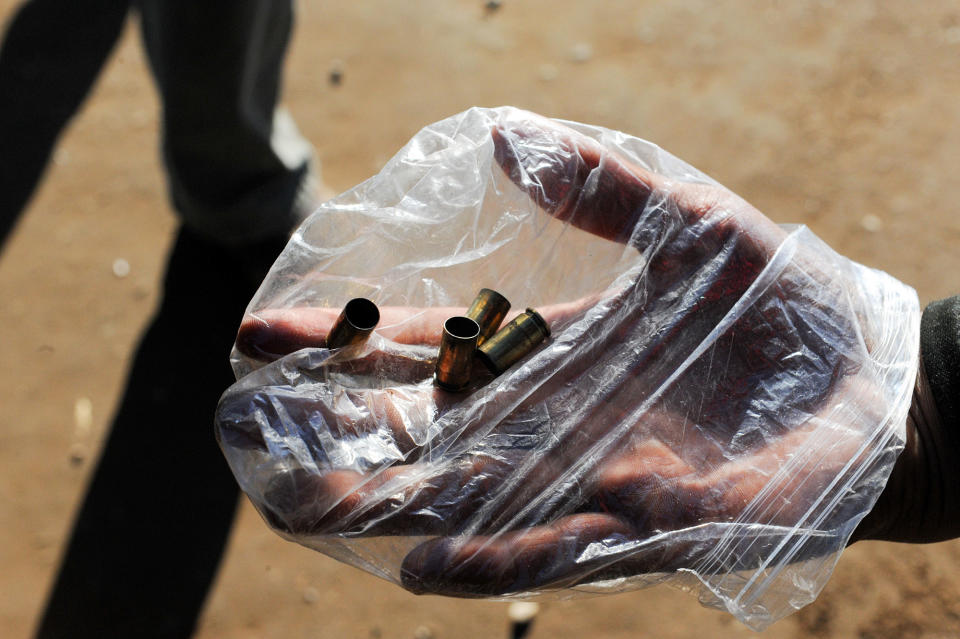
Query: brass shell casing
point(488, 310)
point(355, 323)
point(457, 346)
point(513, 341)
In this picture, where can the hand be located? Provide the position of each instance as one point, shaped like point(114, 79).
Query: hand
point(695, 414)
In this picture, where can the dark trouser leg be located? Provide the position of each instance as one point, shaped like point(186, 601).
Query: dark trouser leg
point(238, 169)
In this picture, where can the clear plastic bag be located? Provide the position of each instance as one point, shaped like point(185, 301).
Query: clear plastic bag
point(720, 402)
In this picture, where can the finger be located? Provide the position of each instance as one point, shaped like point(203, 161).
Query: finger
point(272, 333)
point(653, 492)
point(656, 491)
point(411, 499)
point(703, 247)
point(552, 555)
point(367, 411)
point(426, 491)
point(653, 489)
point(578, 180)
point(573, 178)
point(576, 550)
point(381, 364)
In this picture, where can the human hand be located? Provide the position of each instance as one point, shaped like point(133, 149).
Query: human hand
point(710, 392)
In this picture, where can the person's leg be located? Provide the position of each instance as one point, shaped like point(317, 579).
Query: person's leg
point(238, 169)
point(153, 526)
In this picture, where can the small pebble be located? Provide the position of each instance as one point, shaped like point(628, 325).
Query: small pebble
point(311, 595)
point(121, 267)
point(78, 454)
point(548, 72)
point(646, 34)
point(871, 223)
point(581, 52)
point(82, 416)
point(522, 611)
point(423, 632)
point(336, 73)
point(44, 540)
point(492, 5)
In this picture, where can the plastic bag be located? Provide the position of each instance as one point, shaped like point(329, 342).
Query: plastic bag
point(720, 402)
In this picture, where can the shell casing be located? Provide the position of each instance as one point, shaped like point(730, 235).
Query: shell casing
point(455, 360)
point(513, 341)
point(355, 323)
point(488, 310)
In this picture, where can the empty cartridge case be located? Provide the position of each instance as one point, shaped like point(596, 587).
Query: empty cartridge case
point(513, 341)
point(457, 346)
point(355, 323)
point(488, 310)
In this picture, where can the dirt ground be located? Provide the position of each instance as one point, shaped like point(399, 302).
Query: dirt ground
point(844, 116)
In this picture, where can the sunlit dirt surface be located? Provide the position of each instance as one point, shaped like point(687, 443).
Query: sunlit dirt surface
point(844, 116)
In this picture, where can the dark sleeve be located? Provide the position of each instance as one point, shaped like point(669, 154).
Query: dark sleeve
point(940, 353)
point(921, 501)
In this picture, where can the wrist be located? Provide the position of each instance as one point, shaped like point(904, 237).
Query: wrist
point(921, 501)
point(910, 507)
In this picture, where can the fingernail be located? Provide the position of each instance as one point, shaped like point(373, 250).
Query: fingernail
point(262, 341)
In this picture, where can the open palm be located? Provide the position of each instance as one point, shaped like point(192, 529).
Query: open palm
point(711, 410)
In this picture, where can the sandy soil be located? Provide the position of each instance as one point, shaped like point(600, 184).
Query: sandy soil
point(843, 116)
